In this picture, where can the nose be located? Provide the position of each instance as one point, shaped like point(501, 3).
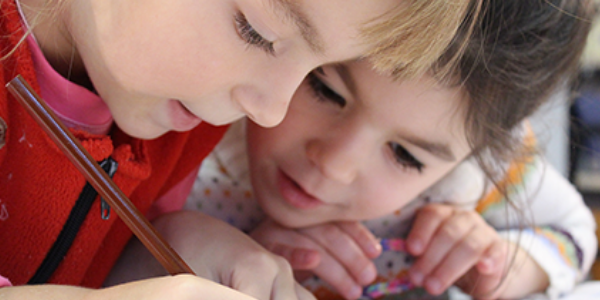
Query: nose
point(265, 110)
point(339, 156)
point(266, 101)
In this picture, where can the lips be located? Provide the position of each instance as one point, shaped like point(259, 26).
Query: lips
point(294, 194)
point(181, 118)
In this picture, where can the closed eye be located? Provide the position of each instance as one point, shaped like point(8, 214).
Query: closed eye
point(324, 92)
point(251, 36)
point(404, 158)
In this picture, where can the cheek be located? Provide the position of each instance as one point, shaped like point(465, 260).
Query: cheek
point(170, 63)
point(268, 148)
point(386, 195)
point(254, 144)
point(298, 126)
point(179, 70)
point(260, 140)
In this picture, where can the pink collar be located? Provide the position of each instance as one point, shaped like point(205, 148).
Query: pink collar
point(75, 105)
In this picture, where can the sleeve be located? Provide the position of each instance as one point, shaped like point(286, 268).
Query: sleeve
point(547, 217)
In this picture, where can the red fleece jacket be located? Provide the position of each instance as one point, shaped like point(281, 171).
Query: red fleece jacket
point(39, 185)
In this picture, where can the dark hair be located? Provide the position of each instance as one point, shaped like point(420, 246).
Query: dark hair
point(519, 54)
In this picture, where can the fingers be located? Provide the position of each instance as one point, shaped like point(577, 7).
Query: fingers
point(282, 290)
point(346, 264)
point(484, 280)
point(423, 243)
point(300, 251)
point(339, 253)
point(363, 237)
point(426, 223)
point(494, 260)
point(344, 249)
point(338, 277)
point(299, 258)
point(448, 243)
point(465, 254)
point(272, 274)
point(230, 257)
point(481, 286)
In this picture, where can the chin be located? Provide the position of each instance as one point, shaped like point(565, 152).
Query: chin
point(295, 221)
point(144, 134)
point(148, 135)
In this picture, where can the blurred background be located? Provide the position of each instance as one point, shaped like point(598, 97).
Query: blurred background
point(568, 132)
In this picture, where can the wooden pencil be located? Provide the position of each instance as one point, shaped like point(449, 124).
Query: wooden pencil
point(103, 184)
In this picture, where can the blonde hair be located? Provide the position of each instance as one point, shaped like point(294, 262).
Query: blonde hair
point(409, 40)
point(49, 9)
point(413, 36)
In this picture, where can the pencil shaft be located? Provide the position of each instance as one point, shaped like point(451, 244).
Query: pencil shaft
point(103, 184)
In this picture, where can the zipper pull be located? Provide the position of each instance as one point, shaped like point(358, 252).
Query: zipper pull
point(104, 209)
point(110, 166)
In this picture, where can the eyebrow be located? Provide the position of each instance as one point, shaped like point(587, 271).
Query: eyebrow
point(292, 10)
point(438, 149)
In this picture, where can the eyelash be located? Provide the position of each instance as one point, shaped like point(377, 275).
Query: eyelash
point(404, 157)
point(251, 36)
point(322, 91)
point(325, 93)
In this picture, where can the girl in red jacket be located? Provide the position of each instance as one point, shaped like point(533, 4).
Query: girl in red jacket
point(141, 84)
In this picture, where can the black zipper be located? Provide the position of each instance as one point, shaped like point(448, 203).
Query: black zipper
point(67, 235)
point(111, 169)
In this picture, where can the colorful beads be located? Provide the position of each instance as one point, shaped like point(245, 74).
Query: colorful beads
point(393, 244)
point(395, 286)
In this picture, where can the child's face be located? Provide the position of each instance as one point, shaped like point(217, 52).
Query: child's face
point(355, 145)
point(155, 61)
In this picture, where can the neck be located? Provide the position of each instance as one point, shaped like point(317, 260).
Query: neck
point(48, 20)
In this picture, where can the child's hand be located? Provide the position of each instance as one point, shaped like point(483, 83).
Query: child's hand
point(450, 243)
point(217, 251)
point(339, 253)
point(180, 287)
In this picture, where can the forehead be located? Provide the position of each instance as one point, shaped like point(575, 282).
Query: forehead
point(333, 27)
point(294, 13)
point(421, 106)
